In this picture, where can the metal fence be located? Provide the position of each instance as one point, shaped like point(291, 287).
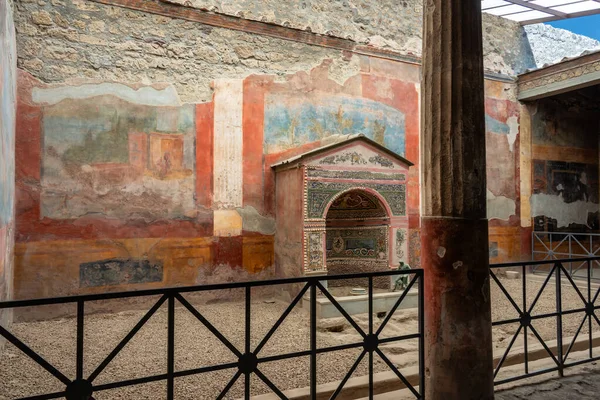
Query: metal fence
point(79, 387)
point(567, 245)
point(526, 317)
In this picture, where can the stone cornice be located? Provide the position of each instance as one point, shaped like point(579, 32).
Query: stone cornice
point(568, 75)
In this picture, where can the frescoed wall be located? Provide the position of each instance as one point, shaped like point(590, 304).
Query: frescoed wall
point(502, 157)
point(113, 158)
point(565, 163)
point(292, 119)
point(128, 177)
point(8, 89)
point(154, 168)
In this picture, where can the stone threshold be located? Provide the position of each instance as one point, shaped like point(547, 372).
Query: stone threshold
point(382, 302)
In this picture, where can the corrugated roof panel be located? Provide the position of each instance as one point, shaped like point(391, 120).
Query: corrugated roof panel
point(552, 3)
point(536, 11)
point(486, 4)
point(526, 16)
point(578, 7)
point(506, 10)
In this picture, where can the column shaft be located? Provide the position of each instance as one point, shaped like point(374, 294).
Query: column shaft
point(454, 229)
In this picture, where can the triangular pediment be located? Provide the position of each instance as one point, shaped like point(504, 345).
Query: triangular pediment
point(357, 152)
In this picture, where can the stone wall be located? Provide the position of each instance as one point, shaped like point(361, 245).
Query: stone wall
point(74, 41)
point(8, 89)
point(550, 45)
point(384, 24)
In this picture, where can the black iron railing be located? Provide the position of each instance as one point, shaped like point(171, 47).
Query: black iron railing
point(249, 360)
point(526, 317)
point(568, 245)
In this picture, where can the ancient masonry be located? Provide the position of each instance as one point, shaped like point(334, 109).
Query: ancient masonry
point(152, 138)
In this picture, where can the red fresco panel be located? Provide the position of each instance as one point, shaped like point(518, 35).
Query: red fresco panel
point(204, 154)
point(253, 131)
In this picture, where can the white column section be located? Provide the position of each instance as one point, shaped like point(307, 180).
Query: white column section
point(228, 162)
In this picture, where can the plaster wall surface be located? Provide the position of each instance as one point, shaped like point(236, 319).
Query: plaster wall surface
point(8, 102)
point(288, 246)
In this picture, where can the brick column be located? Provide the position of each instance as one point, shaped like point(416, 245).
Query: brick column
point(454, 233)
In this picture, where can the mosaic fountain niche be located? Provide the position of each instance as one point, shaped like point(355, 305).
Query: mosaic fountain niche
point(357, 230)
point(341, 209)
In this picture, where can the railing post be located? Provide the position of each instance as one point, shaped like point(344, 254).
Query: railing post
point(370, 333)
point(248, 301)
point(313, 340)
point(571, 254)
point(559, 338)
point(533, 237)
point(525, 342)
point(421, 334)
point(589, 299)
point(170, 346)
point(80, 332)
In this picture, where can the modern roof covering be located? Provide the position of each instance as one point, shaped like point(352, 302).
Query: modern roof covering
point(536, 11)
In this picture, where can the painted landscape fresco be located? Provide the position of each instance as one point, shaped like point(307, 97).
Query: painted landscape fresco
point(291, 120)
point(113, 158)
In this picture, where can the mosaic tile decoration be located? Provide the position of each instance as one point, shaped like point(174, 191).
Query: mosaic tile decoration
point(357, 243)
point(356, 204)
point(400, 239)
point(354, 158)
point(319, 194)
point(314, 250)
point(362, 175)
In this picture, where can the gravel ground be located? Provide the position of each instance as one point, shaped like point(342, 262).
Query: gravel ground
point(196, 347)
point(546, 327)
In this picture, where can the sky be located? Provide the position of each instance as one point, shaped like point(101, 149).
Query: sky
point(587, 26)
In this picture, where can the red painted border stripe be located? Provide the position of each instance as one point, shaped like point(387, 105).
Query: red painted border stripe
point(204, 154)
point(253, 130)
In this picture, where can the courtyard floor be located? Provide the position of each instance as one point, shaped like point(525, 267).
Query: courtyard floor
point(580, 383)
point(196, 347)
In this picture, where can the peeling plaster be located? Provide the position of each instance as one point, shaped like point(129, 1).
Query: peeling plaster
point(500, 207)
point(441, 252)
point(554, 207)
point(144, 95)
point(513, 124)
point(252, 221)
point(340, 70)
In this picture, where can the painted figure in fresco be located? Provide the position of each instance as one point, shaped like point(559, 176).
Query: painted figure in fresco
point(402, 281)
point(165, 164)
point(573, 189)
